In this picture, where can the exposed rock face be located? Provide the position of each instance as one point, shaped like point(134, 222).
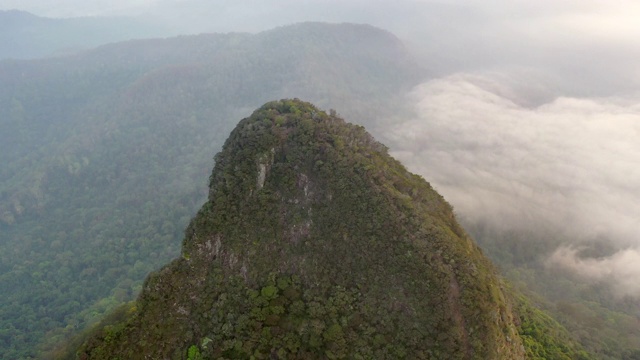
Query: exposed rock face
point(315, 243)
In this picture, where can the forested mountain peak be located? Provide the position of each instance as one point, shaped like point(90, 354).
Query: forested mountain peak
point(315, 243)
point(110, 148)
point(106, 153)
point(326, 62)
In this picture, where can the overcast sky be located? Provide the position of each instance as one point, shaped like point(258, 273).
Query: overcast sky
point(532, 111)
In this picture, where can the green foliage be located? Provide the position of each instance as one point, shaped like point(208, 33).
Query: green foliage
point(105, 155)
point(315, 243)
point(543, 337)
point(193, 353)
point(269, 292)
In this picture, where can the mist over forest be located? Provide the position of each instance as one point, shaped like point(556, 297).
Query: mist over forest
point(568, 164)
point(525, 116)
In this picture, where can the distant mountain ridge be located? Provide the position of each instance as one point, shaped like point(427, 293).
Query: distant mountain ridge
point(12, 18)
point(142, 76)
point(26, 36)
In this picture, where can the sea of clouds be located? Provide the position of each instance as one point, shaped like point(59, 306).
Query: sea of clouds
point(568, 163)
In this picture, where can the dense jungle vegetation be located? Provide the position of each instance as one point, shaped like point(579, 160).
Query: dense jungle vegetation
point(316, 244)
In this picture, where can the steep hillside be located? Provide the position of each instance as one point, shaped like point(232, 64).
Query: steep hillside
point(104, 154)
point(605, 323)
point(315, 243)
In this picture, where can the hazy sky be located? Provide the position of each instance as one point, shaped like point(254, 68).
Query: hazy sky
point(576, 43)
point(73, 8)
point(532, 111)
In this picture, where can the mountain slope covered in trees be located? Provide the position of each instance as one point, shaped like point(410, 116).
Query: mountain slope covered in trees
point(315, 243)
point(104, 154)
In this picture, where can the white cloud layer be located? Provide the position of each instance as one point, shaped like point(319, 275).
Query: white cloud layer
point(621, 270)
point(573, 163)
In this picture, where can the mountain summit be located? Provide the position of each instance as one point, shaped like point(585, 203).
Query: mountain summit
point(314, 244)
point(111, 148)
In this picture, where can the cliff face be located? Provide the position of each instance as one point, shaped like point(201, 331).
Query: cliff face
point(315, 243)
